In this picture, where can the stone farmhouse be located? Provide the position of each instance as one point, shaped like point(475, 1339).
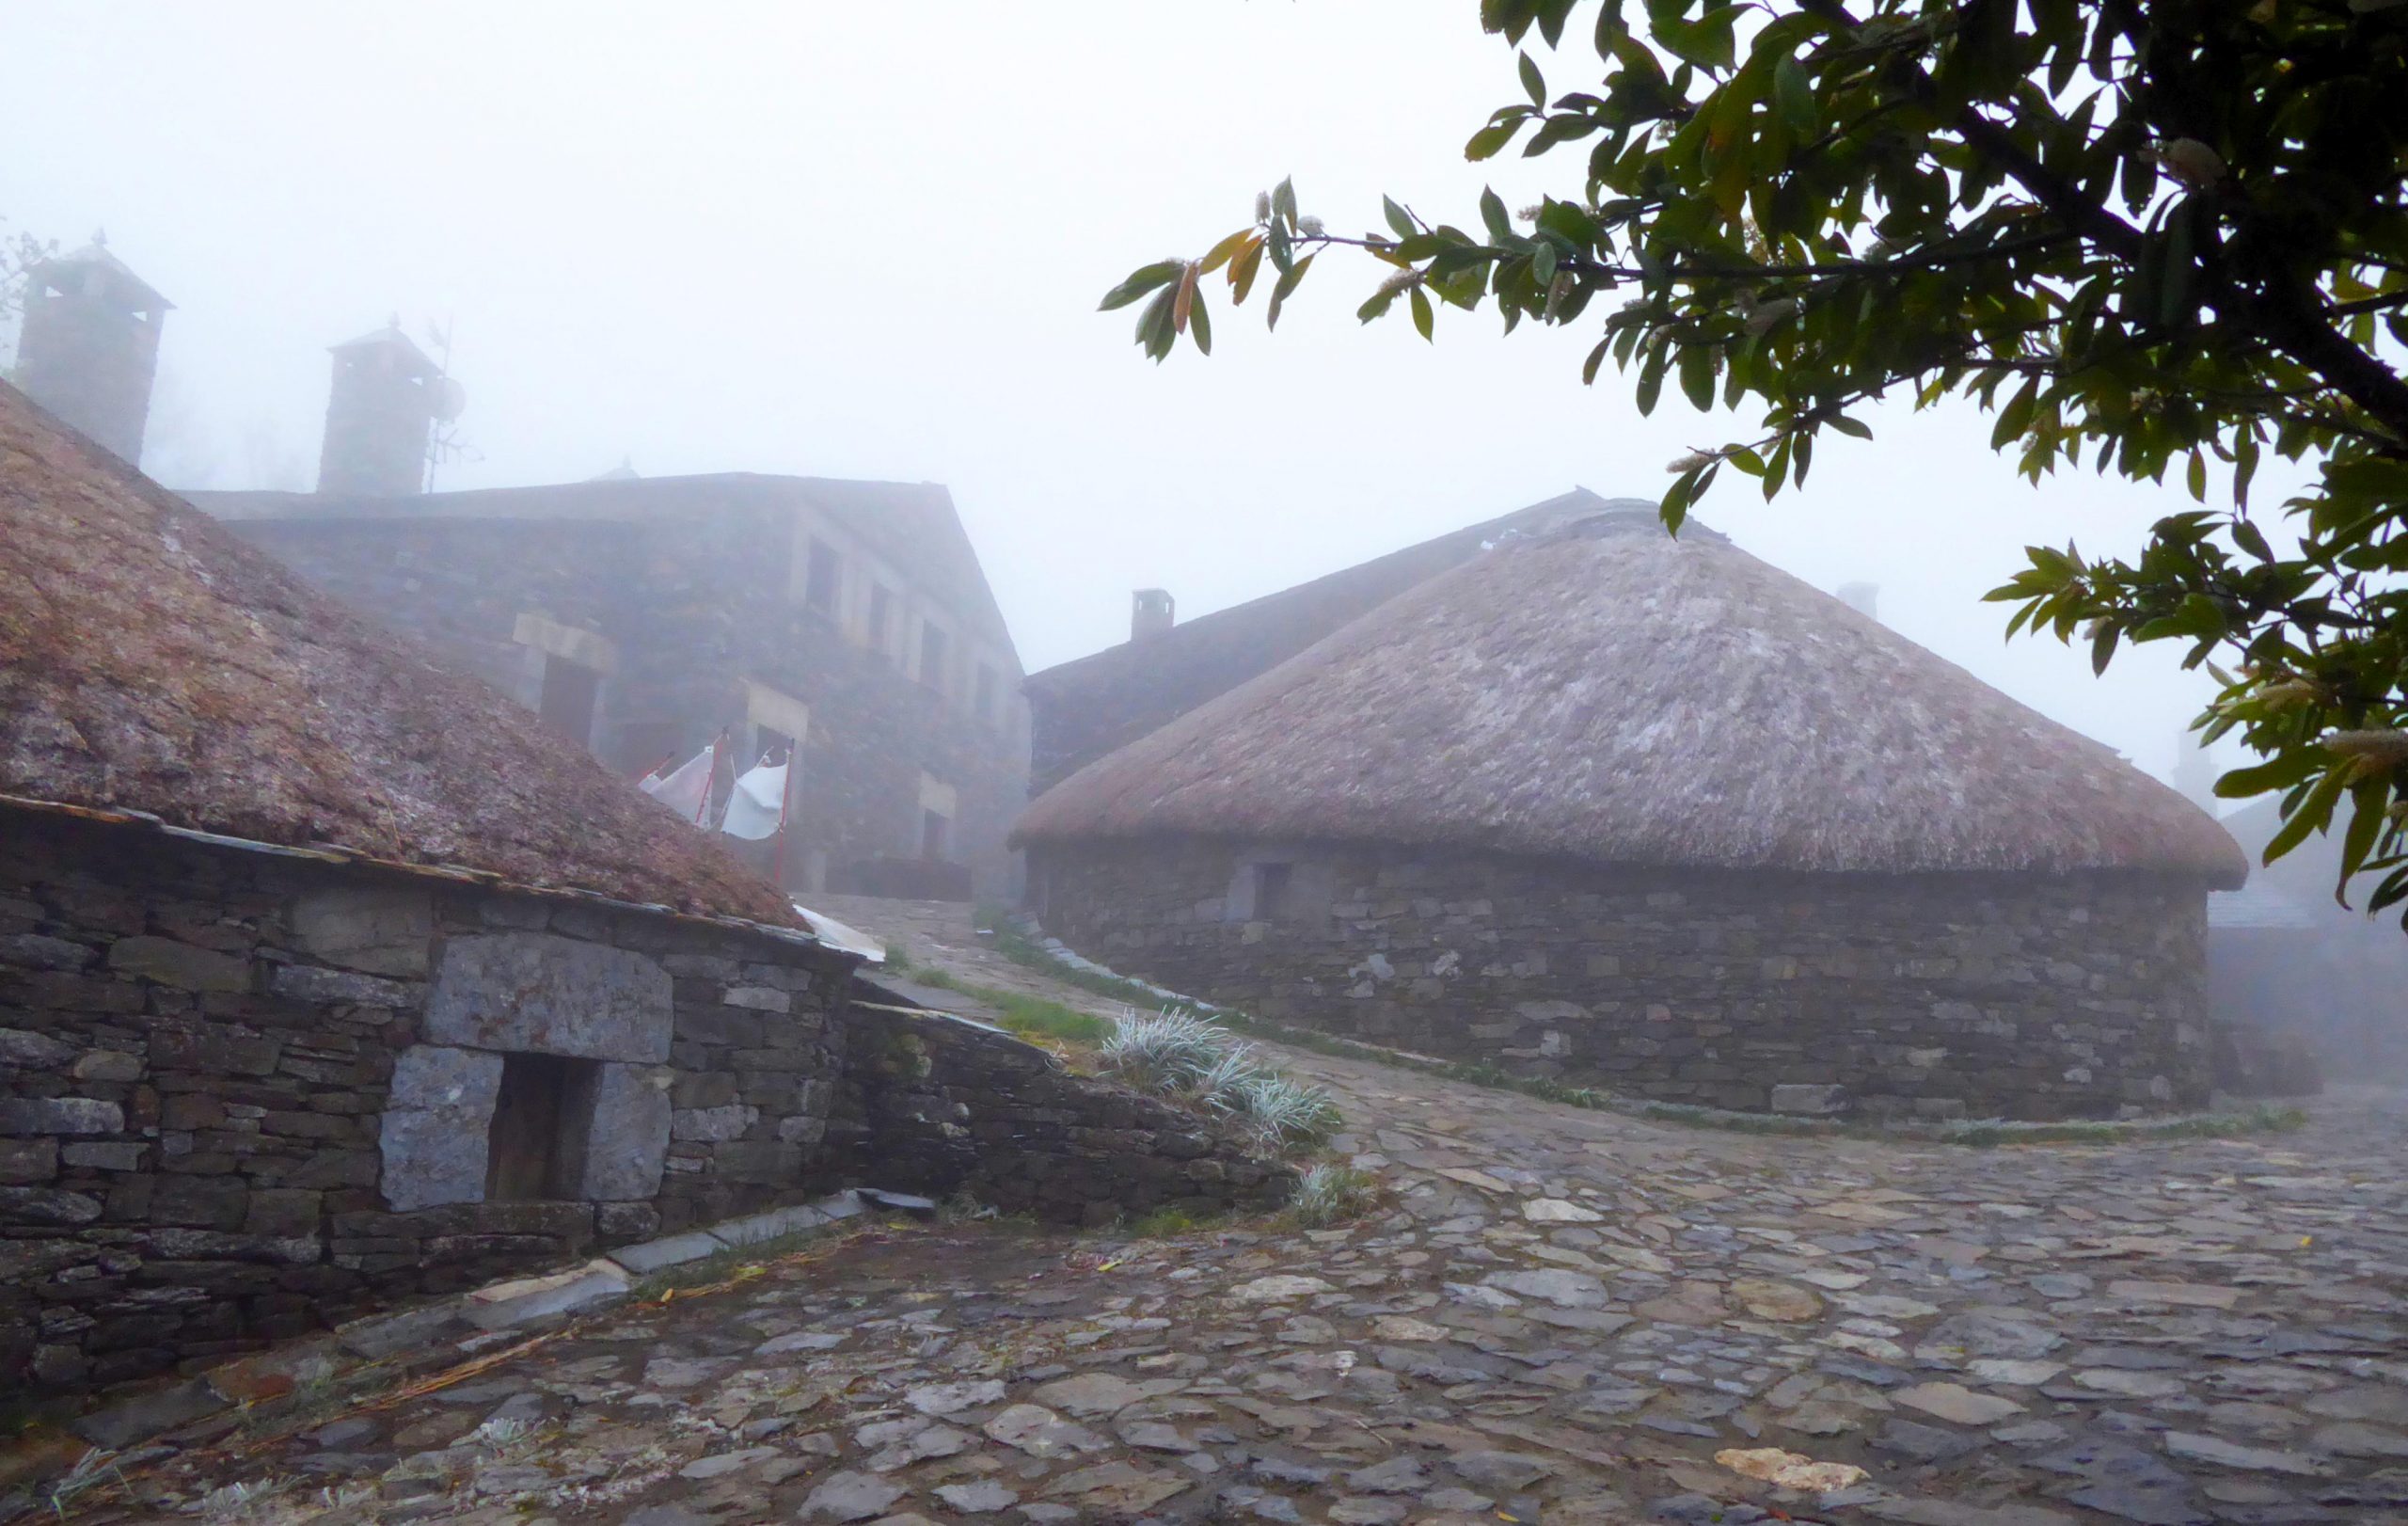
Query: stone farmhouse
point(1641, 813)
point(848, 623)
point(329, 976)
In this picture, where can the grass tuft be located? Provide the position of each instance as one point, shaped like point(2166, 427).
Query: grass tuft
point(1331, 1194)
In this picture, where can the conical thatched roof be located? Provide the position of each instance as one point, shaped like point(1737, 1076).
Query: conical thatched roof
point(1612, 695)
point(151, 662)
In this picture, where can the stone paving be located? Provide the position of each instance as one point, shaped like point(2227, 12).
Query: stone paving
point(1553, 1315)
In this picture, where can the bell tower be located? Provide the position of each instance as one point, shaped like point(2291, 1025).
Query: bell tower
point(89, 348)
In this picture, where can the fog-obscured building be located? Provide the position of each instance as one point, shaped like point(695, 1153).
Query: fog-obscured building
point(1648, 814)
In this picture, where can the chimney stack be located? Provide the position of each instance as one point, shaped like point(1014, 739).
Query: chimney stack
point(89, 348)
point(379, 415)
point(1864, 598)
point(1150, 613)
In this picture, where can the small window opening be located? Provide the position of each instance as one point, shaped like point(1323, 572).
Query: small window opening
point(535, 1149)
point(1270, 884)
point(880, 618)
point(820, 578)
point(568, 699)
point(932, 656)
point(934, 828)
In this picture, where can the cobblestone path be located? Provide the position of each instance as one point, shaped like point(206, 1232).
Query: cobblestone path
point(1555, 1316)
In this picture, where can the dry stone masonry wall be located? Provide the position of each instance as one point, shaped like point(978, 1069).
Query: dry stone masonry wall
point(242, 1095)
point(945, 1106)
point(1933, 996)
point(245, 1095)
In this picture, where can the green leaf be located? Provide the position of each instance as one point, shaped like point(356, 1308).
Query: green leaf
point(1532, 82)
point(1399, 220)
point(1491, 140)
point(1793, 97)
point(2016, 417)
point(1140, 283)
point(1493, 214)
point(1424, 318)
point(1286, 285)
point(1199, 322)
point(1847, 425)
point(1697, 377)
point(1283, 203)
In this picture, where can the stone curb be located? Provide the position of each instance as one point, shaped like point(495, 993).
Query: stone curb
point(453, 1329)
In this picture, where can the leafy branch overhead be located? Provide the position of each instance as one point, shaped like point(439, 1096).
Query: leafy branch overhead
point(2150, 236)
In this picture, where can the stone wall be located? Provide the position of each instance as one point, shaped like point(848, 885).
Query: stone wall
point(242, 1095)
point(938, 1104)
point(245, 1094)
point(1935, 996)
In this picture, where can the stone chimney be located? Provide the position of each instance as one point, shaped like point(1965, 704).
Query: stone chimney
point(1151, 613)
point(89, 347)
point(379, 415)
point(1864, 598)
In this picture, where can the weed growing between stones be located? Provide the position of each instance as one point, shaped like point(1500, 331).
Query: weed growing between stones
point(1331, 1194)
point(1035, 1017)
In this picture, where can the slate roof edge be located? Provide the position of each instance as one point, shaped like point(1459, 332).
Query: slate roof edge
point(448, 873)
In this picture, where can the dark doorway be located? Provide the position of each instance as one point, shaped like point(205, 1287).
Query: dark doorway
point(933, 829)
point(569, 695)
point(535, 1149)
point(1271, 886)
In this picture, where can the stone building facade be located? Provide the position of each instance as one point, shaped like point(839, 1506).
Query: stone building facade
point(329, 976)
point(246, 1093)
point(1931, 996)
point(1647, 814)
point(642, 617)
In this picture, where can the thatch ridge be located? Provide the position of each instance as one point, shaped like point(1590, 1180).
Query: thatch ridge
point(150, 661)
point(1612, 695)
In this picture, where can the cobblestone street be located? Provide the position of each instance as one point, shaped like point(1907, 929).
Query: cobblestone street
point(1553, 1315)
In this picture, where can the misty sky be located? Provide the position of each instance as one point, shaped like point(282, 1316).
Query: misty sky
point(856, 240)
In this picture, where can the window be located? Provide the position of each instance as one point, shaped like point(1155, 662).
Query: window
point(822, 578)
point(1270, 885)
point(882, 615)
point(985, 693)
point(568, 698)
point(933, 830)
point(535, 1146)
point(932, 656)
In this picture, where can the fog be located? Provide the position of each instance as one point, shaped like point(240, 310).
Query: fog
point(868, 240)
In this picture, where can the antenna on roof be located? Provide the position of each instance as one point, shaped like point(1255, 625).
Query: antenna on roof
point(446, 401)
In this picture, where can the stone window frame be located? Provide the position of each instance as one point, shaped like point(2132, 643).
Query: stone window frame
point(496, 994)
point(1305, 892)
point(590, 653)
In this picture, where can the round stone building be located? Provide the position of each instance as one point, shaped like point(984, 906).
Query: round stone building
point(1648, 814)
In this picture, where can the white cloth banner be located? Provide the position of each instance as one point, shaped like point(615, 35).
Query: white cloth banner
point(758, 805)
point(684, 789)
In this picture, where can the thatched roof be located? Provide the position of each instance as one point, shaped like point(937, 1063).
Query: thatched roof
point(151, 662)
point(1611, 695)
point(1088, 707)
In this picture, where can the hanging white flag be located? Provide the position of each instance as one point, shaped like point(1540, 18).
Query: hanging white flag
point(685, 789)
point(759, 807)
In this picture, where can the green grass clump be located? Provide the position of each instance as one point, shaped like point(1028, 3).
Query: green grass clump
point(1035, 1017)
